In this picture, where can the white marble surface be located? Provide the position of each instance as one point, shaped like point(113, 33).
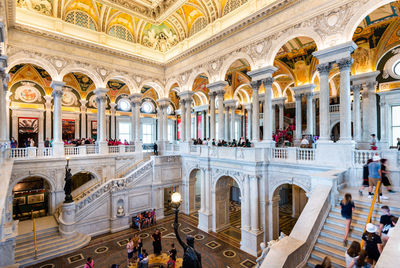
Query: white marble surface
point(42, 223)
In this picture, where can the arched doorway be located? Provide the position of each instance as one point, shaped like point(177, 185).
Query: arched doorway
point(81, 178)
point(31, 195)
point(335, 132)
point(290, 201)
point(194, 192)
point(228, 208)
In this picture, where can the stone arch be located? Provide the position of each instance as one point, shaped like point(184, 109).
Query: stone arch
point(172, 82)
point(359, 15)
point(278, 87)
point(92, 74)
point(192, 191)
point(52, 183)
point(300, 183)
point(289, 88)
point(194, 75)
point(130, 83)
point(283, 39)
point(22, 58)
point(231, 59)
point(157, 87)
point(238, 181)
point(245, 93)
point(202, 97)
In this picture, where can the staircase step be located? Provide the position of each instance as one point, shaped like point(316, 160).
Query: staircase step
point(331, 251)
point(339, 230)
point(312, 262)
point(334, 243)
point(341, 223)
point(41, 233)
point(359, 213)
point(59, 248)
point(319, 256)
point(355, 219)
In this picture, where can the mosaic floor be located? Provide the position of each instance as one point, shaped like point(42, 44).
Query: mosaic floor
point(286, 222)
point(111, 248)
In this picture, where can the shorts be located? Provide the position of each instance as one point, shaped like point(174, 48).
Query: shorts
point(347, 216)
point(385, 181)
point(130, 255)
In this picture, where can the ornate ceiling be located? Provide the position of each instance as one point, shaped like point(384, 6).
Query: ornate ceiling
point(157, 24)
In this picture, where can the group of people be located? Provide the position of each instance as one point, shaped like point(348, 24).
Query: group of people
point(242, 142)
point(374, 238)
point(144, 219)
point(29, 142)
point(136, 252)
point(376, 170)
point(116, 142)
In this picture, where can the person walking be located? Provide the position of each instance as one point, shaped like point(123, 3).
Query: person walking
point(155, 149)
point(385, 178)
point(374, 175)
point(361, 261)
point(89, 263)
point(385, 222)
point(373, 243)
point(365, 177)
point(130, 250)
point(352, 253)
point(156, 236)
point(347, 207)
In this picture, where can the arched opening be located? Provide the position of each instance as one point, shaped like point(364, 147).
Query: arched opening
point(31, 196)
point(200, 100)
point(228, 208)
point(195, 192)
point(290, 201)
point(81, 178)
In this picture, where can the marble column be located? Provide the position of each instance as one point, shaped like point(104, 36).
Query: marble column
point(268, 112)
point(112, 121)
point(298, 117)
point(188, 104)
point(83, 118)
point(160, 124)
point(133, 121)
point(137, 100)
point(226, 124)
point(233, 118)
point(254, 210)
point(384, 106)
point(4, 135)
point(58, 144)
point(256, 111)
point(183, 120)
point(249, 120)
point(203, 191)
point(165, 121)
point(273, 117)
point(48, 106)
point(281, 107)
point(324, 120)
point(212, 116)
point(356, 113)
point(246, 200)
point(345, 104)
point(310, 113)
point(220, 95)
point(101, 100)
point(372, 109)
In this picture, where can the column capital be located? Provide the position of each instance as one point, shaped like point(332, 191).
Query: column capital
point(303, 89)
point(100, 92)
point(332, 54)
point(217, 86)
point(356, 88)
point(186, 95)
point(255, 85)
point(345, 63)
point(113, 105)
point(135, 98)
point(83, 102)
point(248, 106)
point(3, 63)
point(268, 82)
point(230, 103)
point(362, 78)
point(324, 68)
point(57, 85)
point(262, 73)
point(164, 103)
point(279, 101)
point(48, 98)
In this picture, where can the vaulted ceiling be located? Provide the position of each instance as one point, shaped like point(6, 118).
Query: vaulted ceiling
point(158, 24)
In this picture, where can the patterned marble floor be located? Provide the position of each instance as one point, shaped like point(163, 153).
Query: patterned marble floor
point(110, 249)
point(286, 222)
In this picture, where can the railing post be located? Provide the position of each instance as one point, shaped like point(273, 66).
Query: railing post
point(31, 152)
point(82, 150)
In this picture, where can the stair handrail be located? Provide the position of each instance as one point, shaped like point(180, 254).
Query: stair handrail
point(371, 209)
point(34, 234)
point(118, 182)
point(89, 189)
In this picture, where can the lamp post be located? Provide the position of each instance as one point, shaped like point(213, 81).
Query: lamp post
point(191, 258)
point(68, 184)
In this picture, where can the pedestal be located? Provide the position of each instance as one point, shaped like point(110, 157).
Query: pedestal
point(67, 220)
point(338, 155)
point(103, 147)
point(58, 148)
point(265, 144)
point(251, 242)
point(7, 249)
point(205, 221)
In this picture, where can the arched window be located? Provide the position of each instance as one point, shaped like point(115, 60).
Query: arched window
point(232, 5)
point(120, 32)
point(81, 19)
point(198, 25)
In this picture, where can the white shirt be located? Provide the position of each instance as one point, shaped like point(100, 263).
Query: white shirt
point(304, 142)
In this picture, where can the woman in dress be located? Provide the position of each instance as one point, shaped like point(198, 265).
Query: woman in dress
point(157, 242)
point(373, 243)
point(347, 207)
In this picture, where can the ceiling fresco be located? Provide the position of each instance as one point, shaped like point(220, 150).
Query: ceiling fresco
point(159, 24)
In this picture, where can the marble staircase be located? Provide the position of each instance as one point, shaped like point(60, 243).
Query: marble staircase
point(330, 240)
point(50, 244)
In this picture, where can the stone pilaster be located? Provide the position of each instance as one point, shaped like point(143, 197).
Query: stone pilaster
point(218, 88)
point(58, 144)
point(101, 100)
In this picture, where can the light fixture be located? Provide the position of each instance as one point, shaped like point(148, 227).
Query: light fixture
point(176, 198)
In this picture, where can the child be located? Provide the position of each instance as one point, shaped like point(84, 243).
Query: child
point(347, 207)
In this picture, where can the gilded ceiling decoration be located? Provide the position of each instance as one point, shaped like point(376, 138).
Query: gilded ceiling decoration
point(157, 24)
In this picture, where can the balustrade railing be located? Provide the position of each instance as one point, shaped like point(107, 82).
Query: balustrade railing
point(86, 198)
point(129, 148)
point(92, 149)
point(113, 149)
point(303, 154)
point(334, 108)
point(71, 150)
point(279, 153)
point(360, 157)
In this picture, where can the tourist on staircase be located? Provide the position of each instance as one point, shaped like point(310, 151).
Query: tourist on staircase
point(365, 177)
point(394, 222)
point(385, 177)
point(385, 223)
point(361, 261)
point(352, 253)
point(347, 207)
point(373, 243)
point(375, 174)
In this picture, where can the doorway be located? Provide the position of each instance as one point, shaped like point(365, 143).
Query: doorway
point(31, 196)
point(28, 128)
